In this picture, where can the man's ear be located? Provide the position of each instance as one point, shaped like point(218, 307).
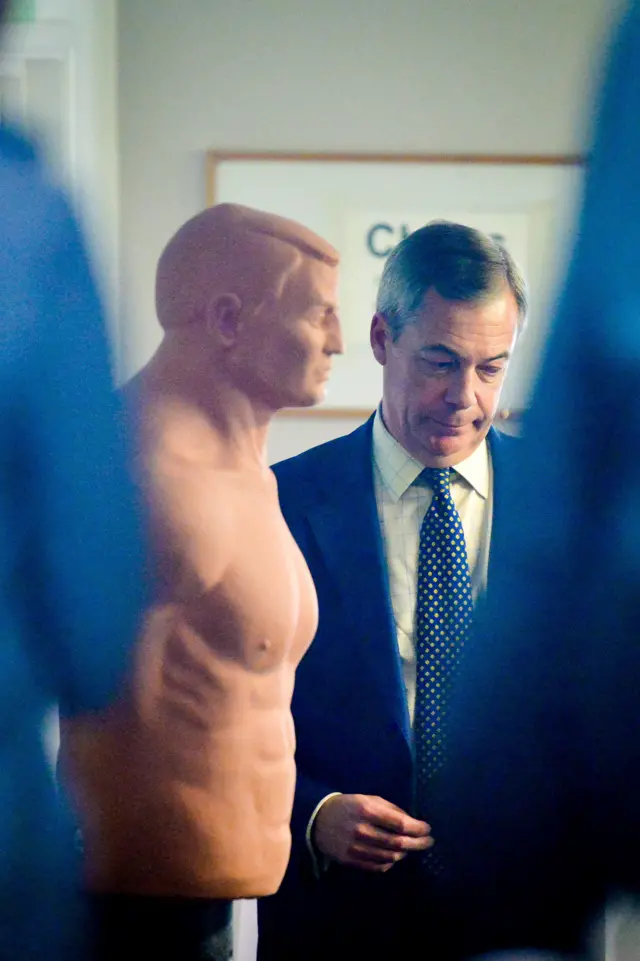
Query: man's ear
point(223, 319)
point(380, 338)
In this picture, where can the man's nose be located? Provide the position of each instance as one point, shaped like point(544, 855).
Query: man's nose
point(460, 393)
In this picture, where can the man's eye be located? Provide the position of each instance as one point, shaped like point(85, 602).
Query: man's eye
point(439, 365)
point(492, 371)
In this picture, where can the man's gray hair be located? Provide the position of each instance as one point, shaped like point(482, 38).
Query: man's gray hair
point(460, 263)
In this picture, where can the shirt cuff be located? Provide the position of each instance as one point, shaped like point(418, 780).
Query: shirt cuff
point(320, 861)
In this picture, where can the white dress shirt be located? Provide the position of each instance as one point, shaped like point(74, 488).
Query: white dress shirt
point(402, 505)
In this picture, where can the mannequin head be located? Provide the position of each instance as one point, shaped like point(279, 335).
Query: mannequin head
point(258, 296)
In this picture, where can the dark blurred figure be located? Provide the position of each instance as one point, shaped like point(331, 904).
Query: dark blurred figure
point(70, 555)
point(545, 741)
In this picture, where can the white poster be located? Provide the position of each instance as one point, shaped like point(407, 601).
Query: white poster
point(369, 237)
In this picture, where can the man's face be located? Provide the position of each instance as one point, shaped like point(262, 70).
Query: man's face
point(443, 375)
point(296, 335)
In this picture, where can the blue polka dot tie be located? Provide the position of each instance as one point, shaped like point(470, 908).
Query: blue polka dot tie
point(443, 616)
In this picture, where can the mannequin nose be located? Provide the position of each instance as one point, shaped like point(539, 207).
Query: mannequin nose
point(335, 340)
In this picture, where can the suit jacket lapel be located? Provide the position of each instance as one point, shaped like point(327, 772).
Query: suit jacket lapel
point(347, 529)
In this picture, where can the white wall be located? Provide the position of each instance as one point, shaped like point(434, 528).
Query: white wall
point(73, 110)
point(96, 110)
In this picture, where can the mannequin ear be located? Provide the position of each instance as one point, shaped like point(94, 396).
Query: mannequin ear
point(223, 319)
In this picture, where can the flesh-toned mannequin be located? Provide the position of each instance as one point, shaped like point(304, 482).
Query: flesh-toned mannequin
point(185, 787)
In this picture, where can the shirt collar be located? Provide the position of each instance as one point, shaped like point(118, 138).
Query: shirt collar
point(398, 469)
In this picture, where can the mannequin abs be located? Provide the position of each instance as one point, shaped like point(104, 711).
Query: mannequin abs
point(201, 746)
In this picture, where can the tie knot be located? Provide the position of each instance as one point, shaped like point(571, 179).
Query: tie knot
point(438, 478)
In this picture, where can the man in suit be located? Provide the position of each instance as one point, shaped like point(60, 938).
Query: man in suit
point(362, 509)
point(545, 741)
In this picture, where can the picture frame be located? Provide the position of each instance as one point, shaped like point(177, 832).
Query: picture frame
point(365, 203)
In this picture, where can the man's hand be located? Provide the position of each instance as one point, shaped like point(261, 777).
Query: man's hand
point(367, 832)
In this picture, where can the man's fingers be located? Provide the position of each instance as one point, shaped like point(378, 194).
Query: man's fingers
point(373, 837)
point(374, 855)
point(412, 828)
point(378, 859)
point(368, 832)
point(370, 838)
point(391, 818)
point(417, 844)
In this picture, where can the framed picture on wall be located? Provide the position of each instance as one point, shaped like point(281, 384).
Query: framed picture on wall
point(364, 204)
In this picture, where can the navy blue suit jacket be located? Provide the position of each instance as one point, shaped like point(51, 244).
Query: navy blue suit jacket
point(350, 708)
